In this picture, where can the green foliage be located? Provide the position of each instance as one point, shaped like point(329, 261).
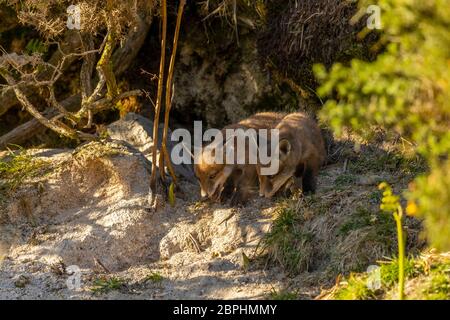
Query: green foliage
point(35, 46)
point(431, 195)
point(406, 90)
point(345, 179)
point(439, 285)
point(105, 285)
point(355, 288)
point(18, 167)
point(389, 271)
point(428, 277)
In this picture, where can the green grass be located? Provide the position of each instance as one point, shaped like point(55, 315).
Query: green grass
point(382, 222)
point(16, 169)
point(287, 243)
point(105, 285)
point(355, 288)
point(428, 280)
point(438, 288)
point(100, 149)
point(282, 295)
point(376, 196)
point(389, 271)
point(388, 161)
point(345, 179)
point(154, 277)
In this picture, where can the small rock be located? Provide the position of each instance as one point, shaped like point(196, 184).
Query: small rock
point(138, 132)
point(21, 281)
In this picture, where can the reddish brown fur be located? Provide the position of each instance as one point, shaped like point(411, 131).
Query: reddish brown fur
point(302, 153)
point(241, 178)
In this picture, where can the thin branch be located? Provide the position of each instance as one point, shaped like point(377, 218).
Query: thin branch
point(159, 94)
point(164, 155)
point(53, 125)
point(59, 107)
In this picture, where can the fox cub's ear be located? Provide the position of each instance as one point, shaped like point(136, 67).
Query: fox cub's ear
point(285, 149)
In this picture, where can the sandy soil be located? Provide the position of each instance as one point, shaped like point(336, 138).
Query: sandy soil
point(86, 229)
point(93, 213)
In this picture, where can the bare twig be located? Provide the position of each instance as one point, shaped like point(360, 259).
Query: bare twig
point(159, 94)
point(51, 124)
point(164, 155)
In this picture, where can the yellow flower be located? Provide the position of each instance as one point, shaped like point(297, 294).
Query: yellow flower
point(411, 208)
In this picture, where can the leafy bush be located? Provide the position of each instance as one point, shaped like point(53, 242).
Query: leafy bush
point(432, 195)
point(404, 91)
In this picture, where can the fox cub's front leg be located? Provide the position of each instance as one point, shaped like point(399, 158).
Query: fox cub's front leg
point(244, 181)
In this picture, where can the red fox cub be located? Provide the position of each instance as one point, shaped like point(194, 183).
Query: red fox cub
point(238, 179)
point(301, 154)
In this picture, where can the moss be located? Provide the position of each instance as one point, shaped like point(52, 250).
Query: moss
point(438, 287)
point(16, 169)
point(100, 149)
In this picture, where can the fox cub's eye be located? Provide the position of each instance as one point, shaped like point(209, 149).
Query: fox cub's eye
point(213, 176)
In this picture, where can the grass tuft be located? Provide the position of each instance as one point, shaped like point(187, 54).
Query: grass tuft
point(287, 243)
point(154, 277)
point(105, 285)
point(282, 295)
point(355, 288)
point(16, 168)
point(427, 277)
point(382, 223)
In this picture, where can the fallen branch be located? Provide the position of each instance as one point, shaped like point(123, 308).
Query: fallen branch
point(121, 60)
point(32, 127)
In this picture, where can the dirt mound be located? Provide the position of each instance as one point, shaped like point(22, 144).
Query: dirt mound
point(91, 210)
point(92, 206)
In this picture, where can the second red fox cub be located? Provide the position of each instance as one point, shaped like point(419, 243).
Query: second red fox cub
point(301, 154)
point(240, 178)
